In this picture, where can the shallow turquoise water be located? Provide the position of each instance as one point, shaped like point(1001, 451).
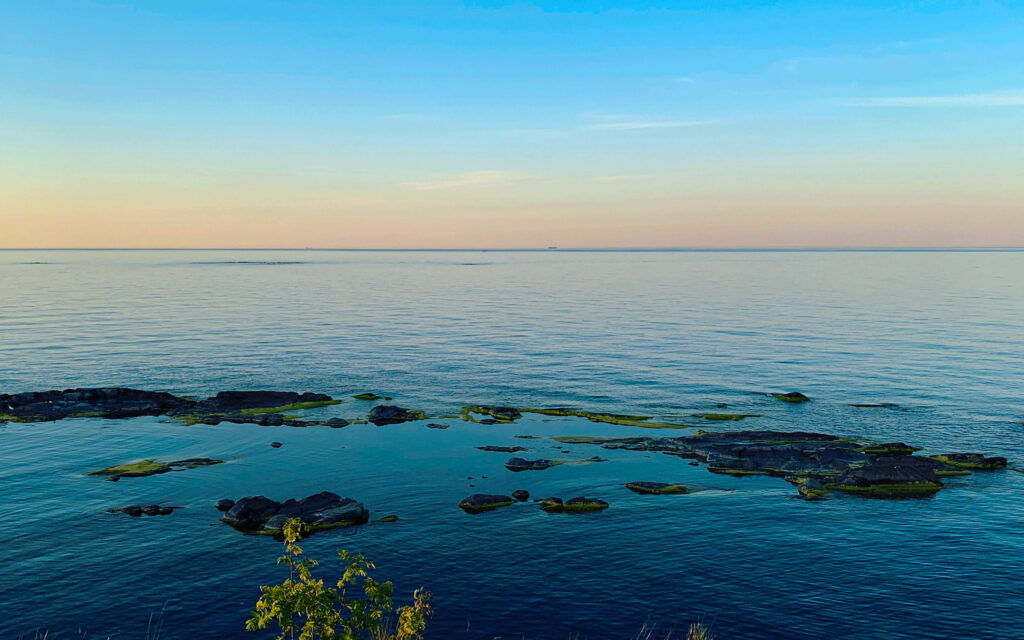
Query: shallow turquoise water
point(665, 333)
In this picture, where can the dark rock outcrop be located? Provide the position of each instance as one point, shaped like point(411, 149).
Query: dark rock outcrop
point(978, 461)
point(225, 504)
point(235, 401)
point(104, 402)
point(390, 414)
point(325, 510)
point(503, 449)
point(484, 502)
point(894, 475)
point(521, 495)
point(521, 464)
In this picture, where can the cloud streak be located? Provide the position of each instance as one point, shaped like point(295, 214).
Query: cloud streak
point(469, 179)
point(959, 100)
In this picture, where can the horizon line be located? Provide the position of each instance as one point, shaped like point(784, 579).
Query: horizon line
point(554, 248)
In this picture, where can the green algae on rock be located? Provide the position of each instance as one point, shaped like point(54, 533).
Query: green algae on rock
point(384, 414)
point(370, 396)
point(655, 488)
point(792, 396)
point(977, 461)
point(503, 415)
point(889, 449)
point(573, 505)
point(389, 518)
point(144, 468)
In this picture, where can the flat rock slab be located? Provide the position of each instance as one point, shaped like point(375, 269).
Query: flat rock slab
point(145, 468)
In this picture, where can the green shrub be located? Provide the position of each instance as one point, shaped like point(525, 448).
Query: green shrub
point(304, 607)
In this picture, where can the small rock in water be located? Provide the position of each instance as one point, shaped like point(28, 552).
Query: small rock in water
point(225, 504)
point(337, 423)
point(437, 425)
point(522, 495)
point(276, 445)
point(390, 518)
point(484, 502)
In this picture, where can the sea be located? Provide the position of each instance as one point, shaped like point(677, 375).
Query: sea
point(936, 335)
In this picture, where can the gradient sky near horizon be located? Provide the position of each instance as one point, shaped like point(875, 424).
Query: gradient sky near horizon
point(413, 124)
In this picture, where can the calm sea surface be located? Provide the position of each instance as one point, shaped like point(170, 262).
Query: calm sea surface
point(662, 333)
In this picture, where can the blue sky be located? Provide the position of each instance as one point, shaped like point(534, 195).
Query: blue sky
point(511, 124)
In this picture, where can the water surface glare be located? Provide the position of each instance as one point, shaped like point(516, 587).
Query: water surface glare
point(662, 333)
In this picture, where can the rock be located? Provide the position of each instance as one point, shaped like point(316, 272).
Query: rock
point(503, 449)
point(390, 518)
point(890, 449)
point(211, 420)
point(573, 505)
point(783, 459)
point(337, 423)
point(390, 414)
point(520, 464)
point(521, 495)
point(145, 468)
point(497, 414)
point(977, 461)
point(792, 396)
point(163, 511)
point(437, 425)
point(321, 511)
point(225, 504)
point(655, 487)
point(812, 488)
point(104, 402)
point(276, 445)
point(551, 504)
point(133, 510)
point(369, 396)
point(238, 401)
point(888, 476)
point(484, 502)
point(151, 510)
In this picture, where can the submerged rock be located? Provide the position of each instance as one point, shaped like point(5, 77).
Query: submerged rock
point(390, 414)
point(890, 449)
point(492, 447)
point(792, 396)
point(389, 518)
point(337, 423)
point(369, 396)
point(497, 414)
point(484, 502)
point(437, 425)
point(655, 487)
point(325, 510)
point(135, 510)
point(521, 464)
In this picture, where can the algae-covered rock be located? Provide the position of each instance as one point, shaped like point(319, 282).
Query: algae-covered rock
point(369, 396)
point(646, 487)
point(812, 488)
point(390, 414)
point(889, 476)
point(792, 396)
point(504, 415)
point(388, 518)
point(890, 449)
point(573, 505)
point(484, 502)
point(977, 461)
point(145, 468)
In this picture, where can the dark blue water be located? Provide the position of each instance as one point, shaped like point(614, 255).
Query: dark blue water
point(663, 333)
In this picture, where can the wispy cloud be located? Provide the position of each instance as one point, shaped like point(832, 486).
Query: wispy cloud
point(638, 122)
point(956, 100)
point(469, 179)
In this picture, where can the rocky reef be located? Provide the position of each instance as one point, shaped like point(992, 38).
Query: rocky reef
point(325, 510)
point(817, 462)
point(135, 510)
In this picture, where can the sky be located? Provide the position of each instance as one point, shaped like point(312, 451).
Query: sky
point(448, 124)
